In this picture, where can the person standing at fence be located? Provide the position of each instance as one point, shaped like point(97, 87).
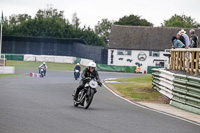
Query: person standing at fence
point(194, 42)
point(186, 37)
point(181, 38)
point(177, 43)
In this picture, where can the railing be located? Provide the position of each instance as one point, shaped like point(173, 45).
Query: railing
point(185, 60)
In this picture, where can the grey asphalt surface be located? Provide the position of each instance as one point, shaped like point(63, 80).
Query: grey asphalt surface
point(44, 105)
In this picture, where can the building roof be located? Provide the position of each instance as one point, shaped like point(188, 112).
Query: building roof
point(142, 37)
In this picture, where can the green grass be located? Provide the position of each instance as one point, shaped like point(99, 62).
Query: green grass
point(141, 90)
point(8, 75)
point(28, 65)
point(22, 65)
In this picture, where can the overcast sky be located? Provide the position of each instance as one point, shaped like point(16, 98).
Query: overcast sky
point(91, 11)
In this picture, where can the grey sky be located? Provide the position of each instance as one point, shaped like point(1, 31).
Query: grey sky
point(91, 11)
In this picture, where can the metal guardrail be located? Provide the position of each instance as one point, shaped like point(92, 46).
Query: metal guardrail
point(184, 91)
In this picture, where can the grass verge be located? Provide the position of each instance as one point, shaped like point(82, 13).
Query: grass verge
point(140, 91)
point(9, 75)
point(22, 65)
point(29, 65)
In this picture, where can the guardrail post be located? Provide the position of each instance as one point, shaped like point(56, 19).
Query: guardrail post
point(192, 63)
point(180, 67)
point(188, 61)
point(184, 61)
point(177, 60)
point(197, 64)
point(172, 60)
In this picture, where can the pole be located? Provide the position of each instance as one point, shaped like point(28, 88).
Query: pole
point(1, 41)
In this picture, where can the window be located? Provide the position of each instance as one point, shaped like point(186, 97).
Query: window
point(154, 53)
point(123, 52)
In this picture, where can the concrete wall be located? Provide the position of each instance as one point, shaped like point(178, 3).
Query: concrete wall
point(125, 60)
point(7, 70)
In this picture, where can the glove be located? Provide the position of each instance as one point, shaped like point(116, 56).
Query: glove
point(87, 78)
point(99, 83)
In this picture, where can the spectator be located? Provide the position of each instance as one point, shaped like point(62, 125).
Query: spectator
point(194, 40)
point(186, 37)
point(177, 43)
point(181, 38)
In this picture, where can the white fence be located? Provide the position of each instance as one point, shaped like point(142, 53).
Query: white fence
point(57, 59)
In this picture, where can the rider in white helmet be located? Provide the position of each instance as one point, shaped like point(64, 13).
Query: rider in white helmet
point(44, 66)
point(88, 72)
point(77, 67)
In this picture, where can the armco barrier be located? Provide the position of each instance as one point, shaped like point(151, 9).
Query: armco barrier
point(184, 91)
point(49, 58)
point(7, 70)
point(29, 57)
point(85, 62)
point(162, 81)
point(112, 68)
point(149, 68)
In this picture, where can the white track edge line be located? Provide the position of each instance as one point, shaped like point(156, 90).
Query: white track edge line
point(190, 121)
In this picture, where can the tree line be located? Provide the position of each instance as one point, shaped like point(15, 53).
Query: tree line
point(51, 23)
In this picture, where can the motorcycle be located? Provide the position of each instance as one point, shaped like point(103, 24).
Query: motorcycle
point(42, 72)
point(86, 95)
point(76, 74)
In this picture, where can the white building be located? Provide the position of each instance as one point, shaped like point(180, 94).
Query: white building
point(132, 57)
point(131, 45)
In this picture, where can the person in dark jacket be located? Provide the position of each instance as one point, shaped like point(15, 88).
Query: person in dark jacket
point(177, 43)
point(88, 72)
point(181, 38)
point(44, 66)
point(194, 40)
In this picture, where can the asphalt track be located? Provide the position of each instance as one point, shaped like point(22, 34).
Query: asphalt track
point(44, 105)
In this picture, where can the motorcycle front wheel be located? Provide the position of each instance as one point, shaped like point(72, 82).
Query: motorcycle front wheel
point(88, 99)
point(75, 104)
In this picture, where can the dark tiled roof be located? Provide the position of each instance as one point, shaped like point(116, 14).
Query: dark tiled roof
point(142, 37)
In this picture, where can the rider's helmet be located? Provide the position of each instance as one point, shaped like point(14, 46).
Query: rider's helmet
point(78, 64)
point(92, 64)
point(44, 63)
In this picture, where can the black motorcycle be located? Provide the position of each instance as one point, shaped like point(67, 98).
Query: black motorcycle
point(86, 95)
point(42, 72)
point(76, 74)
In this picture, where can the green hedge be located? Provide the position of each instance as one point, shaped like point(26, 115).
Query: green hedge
point(112, 68)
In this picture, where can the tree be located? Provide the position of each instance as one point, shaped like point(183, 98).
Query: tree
point(75, 21)
point(180, 21)
point(103, 28)
point(133, 20)
point(49, 23)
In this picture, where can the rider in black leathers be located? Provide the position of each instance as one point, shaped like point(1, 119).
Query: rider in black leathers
point(89, 72)
point(44, 66)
